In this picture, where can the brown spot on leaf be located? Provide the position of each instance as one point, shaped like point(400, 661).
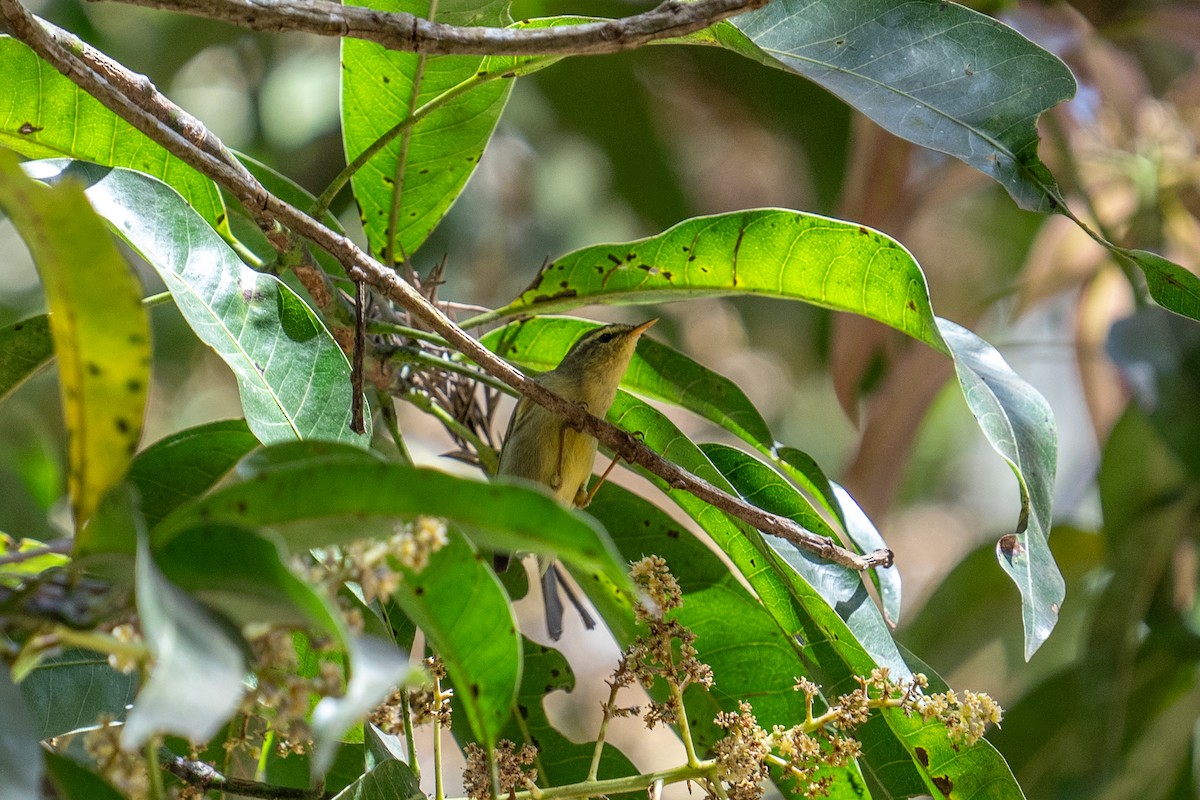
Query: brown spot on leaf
point(944, 784)
point(1010, 546)
point(922, 756)
point(122, 424)
point(28, 128)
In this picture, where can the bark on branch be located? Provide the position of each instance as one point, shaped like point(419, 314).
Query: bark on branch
point(135, 99)
point(408, 33)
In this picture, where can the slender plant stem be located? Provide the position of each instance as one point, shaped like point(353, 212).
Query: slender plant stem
point(613, 688)
point(439, 789)
point(102, 643)
point(153, 770)
point(414, 763)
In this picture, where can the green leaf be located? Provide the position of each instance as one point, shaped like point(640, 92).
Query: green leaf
point(70, 690)
point(382, 746)
point(45, 115)
point(75, 781)
point(20, 754)
point(1020, 427)
point(391, 780)
point(25, 348)
point(937, 74)
point(243, 576)
point(317, 502)
point(196, 683)
point(184, 465)
point(376, 667)
point(866, 538)
point(1172, 287)
point(293, 378)
point(468, 621)
point(100, 330)
point(841, 588)
point(787, 254)
point(418, 174)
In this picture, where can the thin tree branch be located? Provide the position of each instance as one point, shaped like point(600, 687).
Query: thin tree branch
point(75, 60)
point(57, 547)
point(408, 33)
point(206, 778)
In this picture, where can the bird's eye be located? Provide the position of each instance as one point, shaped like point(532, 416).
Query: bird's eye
point(604, 338)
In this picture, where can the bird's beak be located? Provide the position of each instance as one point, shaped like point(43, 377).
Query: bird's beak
point(645, 326)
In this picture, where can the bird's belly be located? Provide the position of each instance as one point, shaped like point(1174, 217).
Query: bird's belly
point(577, 466)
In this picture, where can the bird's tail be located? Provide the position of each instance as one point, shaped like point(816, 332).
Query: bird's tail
point(552, 580)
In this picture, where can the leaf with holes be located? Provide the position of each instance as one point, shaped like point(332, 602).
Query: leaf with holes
point(405, 189)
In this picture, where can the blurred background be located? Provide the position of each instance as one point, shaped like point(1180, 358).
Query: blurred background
point(613, 148)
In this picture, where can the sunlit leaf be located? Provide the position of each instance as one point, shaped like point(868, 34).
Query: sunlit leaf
point(866, 536)
point(409, 185)
point(775, 252)
point(293, 378)
point(100, 330)
point(45, 115)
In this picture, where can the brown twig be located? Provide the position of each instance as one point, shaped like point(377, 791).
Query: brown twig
point(76, 60)
point(206, 777)
point(408, 33)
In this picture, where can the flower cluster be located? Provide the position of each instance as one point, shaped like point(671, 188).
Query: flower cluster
point(510, 769)
point(426, 704)
point(124, 770)
point(966, 717)
point(376, 564)
point(821, 741)
point(654, 655)
point(282, 693)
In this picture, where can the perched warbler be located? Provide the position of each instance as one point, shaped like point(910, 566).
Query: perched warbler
point(540, 446)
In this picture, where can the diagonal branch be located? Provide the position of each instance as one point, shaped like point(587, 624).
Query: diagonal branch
point(101, 78)
point(405, 32)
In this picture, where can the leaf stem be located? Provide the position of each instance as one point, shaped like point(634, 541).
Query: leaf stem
point(102, 643)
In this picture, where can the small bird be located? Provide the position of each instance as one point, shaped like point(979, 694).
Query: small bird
point(540, 446)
